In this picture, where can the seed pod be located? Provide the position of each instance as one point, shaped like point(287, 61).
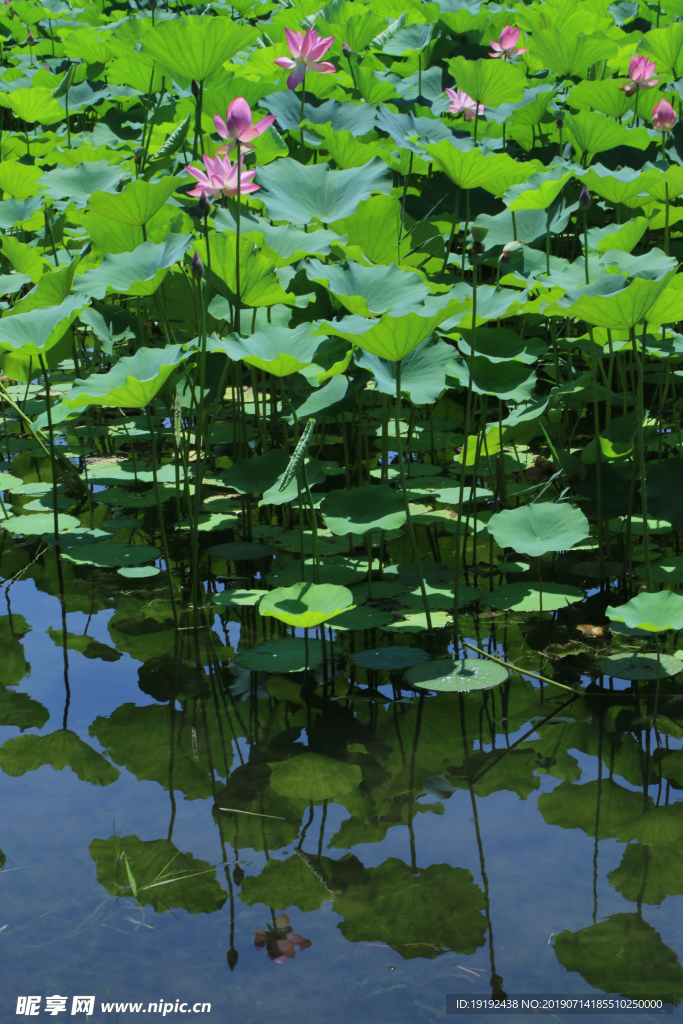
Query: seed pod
point(297, 459)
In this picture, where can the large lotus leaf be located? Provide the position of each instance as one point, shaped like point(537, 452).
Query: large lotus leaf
point(664, 489)
point(640, 666)
point(423, 372)
point(509, 381)
point(577, 806)
point(156, 874)
point(24, 259)
point(288, 654)
point(607, 96)
point(16, 211)
point(61, 749)
point(255, 476)
point(375, 227)
point(396, 334)
point(193, 48)
point(399, 39)
point(357, 27)
point(649, 874)
point(448, 676)
point(369, 291)
point(363, 509)
point(471, 168)
point(596, 133)
point(13, 665)
point(487, 81)
point(314, 777)
point(279, 350)
point(19, 180)
point(500, 344)
point(653, 612)
point(39, 523)
point(77, 184)
point(623, 954)
point(664, 45)
point(568, 53)
point(287, 883)
point(418, 912)
point(110, 554)
point(282, 243)
point(412, 133)
point(609, 302)
point(538, 191)
point(532, 597)
point(536, 529)
point(620, 186)
point(34, 104)
point(306, 605)
point(259, 283)
point(139, 272)
point(137, 203)
point(357, 118)
point(52, 289)
point(300, 193)
point(33, 333)
point(131, 383)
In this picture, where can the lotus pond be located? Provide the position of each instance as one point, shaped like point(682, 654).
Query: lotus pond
point(340, 507)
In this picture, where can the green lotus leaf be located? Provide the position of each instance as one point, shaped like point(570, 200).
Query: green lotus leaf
point(621, 186)
point(357, 27)
point(156, 874)
point(34, 333)
point(369, 291)
point(423, 372)
point(539, 528)
point(537, 192)
point(21, 711)
point(259, 283)
point(346, 149)
point(594, 133)
point(363, 510)
point(399, 39)
point(487, 81)
point(287, 883)
point(19, 180)
point(34, 104)
point(575, 806)
point(389, 659)
point(291, 654)
point(279, 350)
point(314, 777)
point(16, 211)
point(652, 612)
point(23, 258)
point(137, 203)
point(641, 666)
point(568, 53)
point(131, 383)
point(111, 555)
point(299, 193)
point(254, 476)
point(79, 183)
point(531, 597)
point(39, 523)
point(664, 45)
point(448, 676)
point(623, 954)
point(470, 168)
point(139, 272)
point(610, 302)
point(306, 605)
point(61, 749)
point(238, 598)
point(509, 381)
point(192, 48)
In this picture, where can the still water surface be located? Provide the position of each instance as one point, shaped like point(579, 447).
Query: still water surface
point(425, 845)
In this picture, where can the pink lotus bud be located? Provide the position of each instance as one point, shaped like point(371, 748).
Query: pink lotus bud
point(197, 267)
point(346, 49)
point(585, 199)
point(663, 117)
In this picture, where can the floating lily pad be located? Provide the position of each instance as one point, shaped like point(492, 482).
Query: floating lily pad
point(290, 654)
point(38, 523)
point(448, 676)
point(306, 605)
point(373, 507)
point(640, 666)
point(391, 659)
point(653, 612)
point(362, 619)
point(528, 597)
point(139, 572)
point(111, 555)
point(417, 623)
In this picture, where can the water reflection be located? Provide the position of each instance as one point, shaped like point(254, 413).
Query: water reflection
point(342, 789)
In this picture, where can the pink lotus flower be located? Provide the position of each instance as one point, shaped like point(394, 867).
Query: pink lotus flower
point(279, 941)
point(238, 128)
point(221, 178)
point(640, 71)
point(306, 52)
point(461, 103)
point(505, 47)
point(663, 117)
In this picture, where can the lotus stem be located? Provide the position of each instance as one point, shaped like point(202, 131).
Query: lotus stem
point(454, 225)
point(238, 290)
point(640, 445)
